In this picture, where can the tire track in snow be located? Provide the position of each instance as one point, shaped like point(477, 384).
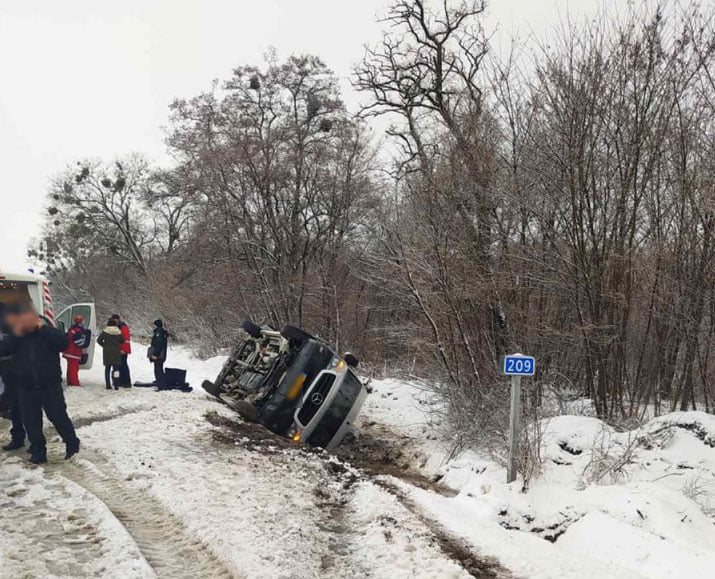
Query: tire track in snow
point(161, 537)
point(339, 536)
point(45, 540)
point(382, 453)
point(82, 421)
point(455, 548)
point(337, 560)
point(348, 556)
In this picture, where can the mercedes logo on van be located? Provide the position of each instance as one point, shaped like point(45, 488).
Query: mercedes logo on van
point(316, 398)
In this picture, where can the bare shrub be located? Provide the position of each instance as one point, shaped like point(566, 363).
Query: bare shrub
point(701, 491)
point(609, 458)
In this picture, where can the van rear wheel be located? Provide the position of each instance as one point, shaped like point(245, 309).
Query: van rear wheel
point(251, 329)
point(351, 360)
point(291, 333)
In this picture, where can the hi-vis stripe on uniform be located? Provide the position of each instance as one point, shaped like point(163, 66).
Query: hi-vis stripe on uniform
point(49, 313)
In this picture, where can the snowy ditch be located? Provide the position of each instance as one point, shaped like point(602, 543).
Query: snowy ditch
point(607, 503)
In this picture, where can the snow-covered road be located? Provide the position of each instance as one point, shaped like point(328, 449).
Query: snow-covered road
point(175, 485)
point(158, 490)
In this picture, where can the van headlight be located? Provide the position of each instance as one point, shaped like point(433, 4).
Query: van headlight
point(336, 364)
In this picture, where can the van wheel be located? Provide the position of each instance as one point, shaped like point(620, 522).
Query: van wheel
point(291, 333)
point(246, 410)
point(211, 388)
point(351, 360)
point(251, 329)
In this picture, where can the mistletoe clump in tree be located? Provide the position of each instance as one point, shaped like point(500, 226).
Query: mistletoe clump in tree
point(125, 213)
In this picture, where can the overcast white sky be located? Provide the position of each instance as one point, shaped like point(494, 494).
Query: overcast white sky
point(82, 78)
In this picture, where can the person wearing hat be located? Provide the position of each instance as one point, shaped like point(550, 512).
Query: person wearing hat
point(157, 351)
point(125, 377)
point(36, 347)
point(111, 342)
point(77, 337)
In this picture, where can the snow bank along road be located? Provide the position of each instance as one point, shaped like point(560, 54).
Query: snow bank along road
point(175, 485)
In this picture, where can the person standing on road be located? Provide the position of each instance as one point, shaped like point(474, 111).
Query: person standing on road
point(125, 377)
point(36, 347)
point(8, 375)
point(158, 350)
point(111, 342)
point(77, 337)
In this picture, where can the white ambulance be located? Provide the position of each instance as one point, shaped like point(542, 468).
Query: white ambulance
point(20, 287)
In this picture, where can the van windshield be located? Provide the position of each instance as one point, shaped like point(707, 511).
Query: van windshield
point(339, 410)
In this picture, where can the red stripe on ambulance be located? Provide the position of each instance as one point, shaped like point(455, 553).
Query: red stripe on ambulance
point(49, 313)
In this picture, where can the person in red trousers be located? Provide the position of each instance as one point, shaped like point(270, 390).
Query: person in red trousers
point(73, 353)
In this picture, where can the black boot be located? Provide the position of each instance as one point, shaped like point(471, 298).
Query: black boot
point(72, 449)
point(38, 457)
point(14, 445)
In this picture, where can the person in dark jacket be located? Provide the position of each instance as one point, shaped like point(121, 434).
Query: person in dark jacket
point(111, 341)
point(11, 394)
point(36, 347)
point(157, 351)
point(125, 378)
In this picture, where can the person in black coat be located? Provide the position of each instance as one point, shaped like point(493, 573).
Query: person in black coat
point(158, 350)
point(11, 394)
point(36, 347)
point(111, 341)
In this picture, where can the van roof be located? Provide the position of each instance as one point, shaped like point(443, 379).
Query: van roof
point(25, 277)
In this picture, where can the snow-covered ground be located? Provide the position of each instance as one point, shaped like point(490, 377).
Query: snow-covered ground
point(607, 504)
point(160, 490)
point(154, 493)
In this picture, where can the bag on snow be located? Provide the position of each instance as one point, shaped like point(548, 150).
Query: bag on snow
point(175, 377)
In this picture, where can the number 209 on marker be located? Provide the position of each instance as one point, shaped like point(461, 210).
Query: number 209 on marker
point(516, 365)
